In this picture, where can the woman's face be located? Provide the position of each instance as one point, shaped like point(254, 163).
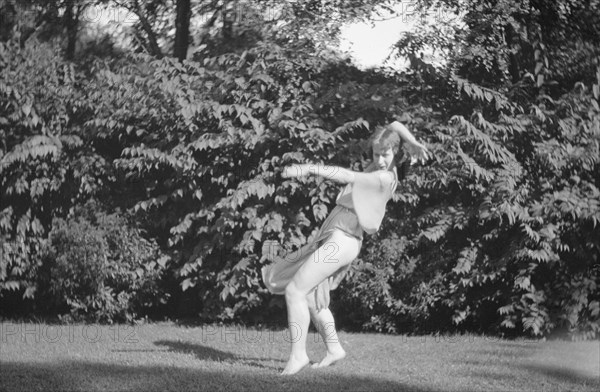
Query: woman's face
point(383, 157)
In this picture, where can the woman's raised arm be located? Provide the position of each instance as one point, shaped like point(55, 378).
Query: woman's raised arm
point(416, 150)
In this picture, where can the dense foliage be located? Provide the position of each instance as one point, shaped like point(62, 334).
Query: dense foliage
point(497, 234)
point(97, 267)
point(511, 202)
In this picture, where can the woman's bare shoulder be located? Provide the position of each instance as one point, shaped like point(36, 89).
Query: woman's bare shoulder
point(386, 178)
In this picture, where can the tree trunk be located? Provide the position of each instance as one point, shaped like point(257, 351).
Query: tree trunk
point(8, 17)
point(182, 26)
point(71, 22)
point(137, 9)
point(513, 62)
point(228, 19)
point(154, 48)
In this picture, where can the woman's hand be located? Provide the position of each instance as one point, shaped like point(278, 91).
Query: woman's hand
point(296, 170)
point(417, 152)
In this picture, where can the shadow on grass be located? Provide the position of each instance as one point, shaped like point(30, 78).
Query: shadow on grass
point(565, 374)
point(89, 376)
point(201, 352)
point(204, 353)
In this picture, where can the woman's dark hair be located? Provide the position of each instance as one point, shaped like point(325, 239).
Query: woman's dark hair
point(386, 137)
point(389, 138)
point(403, 170)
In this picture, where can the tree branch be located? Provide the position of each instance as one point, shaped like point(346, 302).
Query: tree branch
point(145, 24)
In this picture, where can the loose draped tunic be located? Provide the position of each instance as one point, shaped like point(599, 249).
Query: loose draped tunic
point(359, 207)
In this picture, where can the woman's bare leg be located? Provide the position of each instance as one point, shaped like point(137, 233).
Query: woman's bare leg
point(338, 252)
point(325, 324)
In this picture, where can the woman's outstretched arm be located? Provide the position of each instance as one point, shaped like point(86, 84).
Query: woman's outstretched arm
point(381, 178)
point(335, 173)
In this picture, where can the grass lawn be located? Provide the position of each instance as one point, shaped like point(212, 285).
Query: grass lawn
point(168, 357)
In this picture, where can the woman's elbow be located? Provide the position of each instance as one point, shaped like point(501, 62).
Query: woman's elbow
point(347, 176)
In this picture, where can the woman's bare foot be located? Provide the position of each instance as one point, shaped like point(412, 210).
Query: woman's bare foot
point(294, 365)
point(331, 358)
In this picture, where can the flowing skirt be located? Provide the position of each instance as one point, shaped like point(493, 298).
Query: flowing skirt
point(277, 275)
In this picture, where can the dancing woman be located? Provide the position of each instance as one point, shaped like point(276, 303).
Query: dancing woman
point(307, 277)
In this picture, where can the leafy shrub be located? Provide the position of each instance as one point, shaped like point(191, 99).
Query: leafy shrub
point(499, 233)
point(459, 247)
point(45, 165)
point(97, 267)
point(502, 228)
point(207, 141)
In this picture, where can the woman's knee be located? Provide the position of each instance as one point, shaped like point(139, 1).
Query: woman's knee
point(310, 300)
point(292, 292)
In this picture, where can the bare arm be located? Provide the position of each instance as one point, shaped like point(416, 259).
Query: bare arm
point(334, 173)
point(381, 179)
point(403, 132)
point(416, 150)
